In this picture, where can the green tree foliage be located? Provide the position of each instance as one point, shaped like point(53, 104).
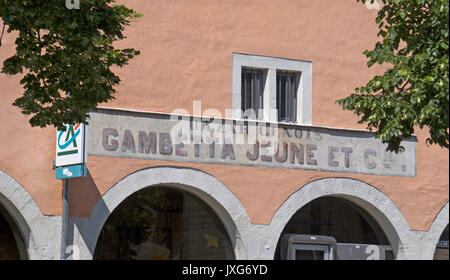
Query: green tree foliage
point(414, 89)
point(2, 9)
point(65, 56)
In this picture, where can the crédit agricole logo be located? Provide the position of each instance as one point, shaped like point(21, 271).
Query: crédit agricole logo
point(69, 145)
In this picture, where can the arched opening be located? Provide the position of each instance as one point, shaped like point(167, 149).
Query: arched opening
point(11, 243)
point(333, 228)
point(163, 223)
point(442, 248)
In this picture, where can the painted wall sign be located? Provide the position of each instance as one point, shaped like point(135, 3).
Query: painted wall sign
point(128, 134)
point(70, 145)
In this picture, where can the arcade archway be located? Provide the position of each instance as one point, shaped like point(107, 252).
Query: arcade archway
point(163, 222)
point(333, 228)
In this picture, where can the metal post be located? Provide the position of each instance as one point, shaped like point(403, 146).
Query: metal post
point(65, 219)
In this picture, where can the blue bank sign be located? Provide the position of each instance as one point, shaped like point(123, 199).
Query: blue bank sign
point(71, 171)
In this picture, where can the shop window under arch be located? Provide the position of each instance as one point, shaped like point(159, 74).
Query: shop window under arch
point(163, 223)
point(336, 222)
point(442, 247)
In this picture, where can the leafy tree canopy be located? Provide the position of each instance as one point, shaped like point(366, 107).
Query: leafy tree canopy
point(65, 56)
point(414, 89)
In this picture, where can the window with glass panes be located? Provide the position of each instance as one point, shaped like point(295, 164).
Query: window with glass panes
point(252, 91)
point(287, 86)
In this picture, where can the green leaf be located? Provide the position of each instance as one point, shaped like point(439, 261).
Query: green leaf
point(2, 8)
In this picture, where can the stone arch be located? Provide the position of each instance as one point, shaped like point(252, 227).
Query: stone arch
point(32, 225)
point(213, 192)
point(376, 203)
point(437, 228)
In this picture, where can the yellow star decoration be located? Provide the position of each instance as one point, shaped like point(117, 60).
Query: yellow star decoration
point(211, 240)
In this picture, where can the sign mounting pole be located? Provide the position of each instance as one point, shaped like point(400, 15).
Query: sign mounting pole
point(65, 218)
point(71, 158)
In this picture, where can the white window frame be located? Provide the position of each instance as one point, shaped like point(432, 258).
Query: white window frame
point(271, 65)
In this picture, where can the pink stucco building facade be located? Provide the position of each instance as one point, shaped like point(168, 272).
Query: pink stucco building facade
point(194, 57)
